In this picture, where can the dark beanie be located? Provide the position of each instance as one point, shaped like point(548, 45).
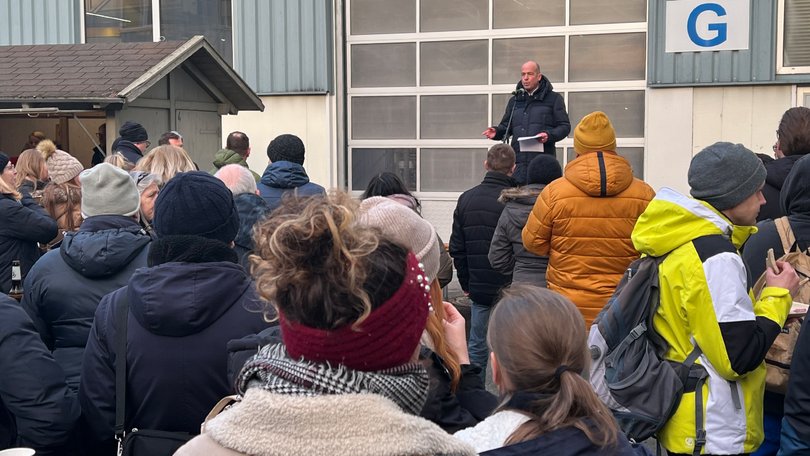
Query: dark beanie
point(133, 132)
point(543, 169)
point(725, 174)
point(3, 161)
point(286, 148)
point(196, 203)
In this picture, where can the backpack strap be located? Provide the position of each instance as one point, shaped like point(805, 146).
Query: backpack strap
point(699, 377)
point(121, 310)
point(785, 234)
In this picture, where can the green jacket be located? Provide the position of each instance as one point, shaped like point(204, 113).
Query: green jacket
point(706, 300)
point(229, 157)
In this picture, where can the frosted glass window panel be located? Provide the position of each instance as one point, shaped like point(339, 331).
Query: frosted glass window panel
point(625, 109)
point(528, 13)
point(367, 163)
point(183, 19)
point(383, 117)
point(453, 116)
point(607, 11)
point(370, 17)
point(509, 54)
point(499, 101)
point(451, 15)
point(454, 63)
point(634, 155)
point(384, 65)
point(615, 57)
point(451, 170)
point(796, 42)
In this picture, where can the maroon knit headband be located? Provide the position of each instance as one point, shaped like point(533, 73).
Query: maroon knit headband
point(387, 337)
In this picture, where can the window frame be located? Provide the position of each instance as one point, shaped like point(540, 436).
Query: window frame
point(780, 44)
point(489, 89)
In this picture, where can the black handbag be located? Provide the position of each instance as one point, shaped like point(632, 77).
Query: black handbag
point(137, 442)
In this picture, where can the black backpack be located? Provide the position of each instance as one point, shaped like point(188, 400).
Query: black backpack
point(628, 371)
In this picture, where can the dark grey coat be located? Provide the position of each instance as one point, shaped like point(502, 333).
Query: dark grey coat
point(506, 252)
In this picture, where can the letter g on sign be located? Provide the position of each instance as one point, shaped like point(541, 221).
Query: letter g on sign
point(720, 28)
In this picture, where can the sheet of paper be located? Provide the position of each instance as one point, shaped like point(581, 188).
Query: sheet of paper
point(530, 144)
point(798, 309)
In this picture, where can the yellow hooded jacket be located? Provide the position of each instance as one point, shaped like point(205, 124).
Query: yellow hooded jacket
point(706, 301)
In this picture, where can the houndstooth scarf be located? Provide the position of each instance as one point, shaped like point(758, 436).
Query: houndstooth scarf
point(273, 370)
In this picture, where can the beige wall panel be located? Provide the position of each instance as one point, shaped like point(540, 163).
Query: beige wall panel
point(308, 117)
point(669, 138)
point(747, 115)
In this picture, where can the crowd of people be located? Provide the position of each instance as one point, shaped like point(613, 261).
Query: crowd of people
point(151, 290)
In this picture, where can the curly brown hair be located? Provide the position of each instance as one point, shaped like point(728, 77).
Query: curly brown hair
point(316, 265)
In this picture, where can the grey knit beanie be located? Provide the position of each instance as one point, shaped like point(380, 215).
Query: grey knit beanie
point(405, 227)
point(725, 174)
point(108, 190)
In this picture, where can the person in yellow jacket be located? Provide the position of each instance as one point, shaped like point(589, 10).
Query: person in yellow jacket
point(706, 299)
point(583, 221)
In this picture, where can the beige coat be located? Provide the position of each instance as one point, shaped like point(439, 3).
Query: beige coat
point(268, 424)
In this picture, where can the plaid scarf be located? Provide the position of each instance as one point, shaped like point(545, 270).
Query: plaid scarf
point(273, 370)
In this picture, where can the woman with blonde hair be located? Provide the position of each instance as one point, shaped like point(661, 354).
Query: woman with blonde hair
point(23, 224)
point(119, 161)
point(166, 161)
point(32, 173)
point(351, 308)
point(62, 197)
point(538, 349)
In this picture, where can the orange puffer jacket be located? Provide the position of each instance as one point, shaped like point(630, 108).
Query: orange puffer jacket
point(582, 222)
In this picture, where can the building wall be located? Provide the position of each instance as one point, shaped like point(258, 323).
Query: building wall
point(310, 117)
point(682, 121)
point(284, 46)
point(40, 22)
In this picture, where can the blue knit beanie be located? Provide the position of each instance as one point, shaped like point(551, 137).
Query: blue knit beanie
point(196, 203)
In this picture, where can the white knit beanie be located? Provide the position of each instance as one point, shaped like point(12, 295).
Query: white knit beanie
point(108, 190)
point(404, 227)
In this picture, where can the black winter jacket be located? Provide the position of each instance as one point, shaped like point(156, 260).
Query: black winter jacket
point(64, 287)
point(37, 409)
point(506, 253)
point(568, 441)
point(777, 172)
point(795, 201)
point(22, 224)
point(129, 150)
point(284, 177)
point(181, 316)
point(471, 402)
point(474, 221)
point(544, 111)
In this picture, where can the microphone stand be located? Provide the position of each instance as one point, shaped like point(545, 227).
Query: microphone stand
point(506, 134)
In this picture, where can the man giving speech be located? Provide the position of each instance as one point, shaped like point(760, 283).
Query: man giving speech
point(533, 110)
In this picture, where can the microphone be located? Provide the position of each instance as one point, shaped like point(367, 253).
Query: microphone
point(518, 91)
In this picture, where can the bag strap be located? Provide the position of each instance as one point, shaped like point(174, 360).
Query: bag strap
point(223, 403)
point(121, 313)
point(785, 234)
point(700, 376)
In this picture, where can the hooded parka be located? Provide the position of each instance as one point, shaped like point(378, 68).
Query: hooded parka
point(65, 286)
point(706, 301)
point(583, 222)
